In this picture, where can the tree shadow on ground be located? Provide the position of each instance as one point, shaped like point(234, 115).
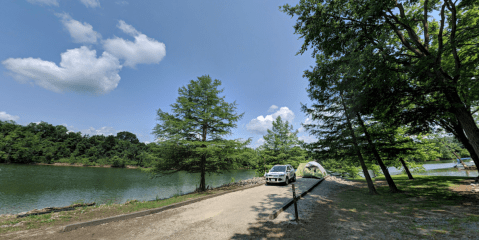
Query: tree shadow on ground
point(316, 227)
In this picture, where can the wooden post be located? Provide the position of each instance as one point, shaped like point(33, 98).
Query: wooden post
point(295, 205)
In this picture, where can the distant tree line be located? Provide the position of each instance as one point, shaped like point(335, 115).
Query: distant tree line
point(45, 143)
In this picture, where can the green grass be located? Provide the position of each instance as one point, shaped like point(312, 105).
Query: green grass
point(426, 196)
point(138, 206)
point(433, 188)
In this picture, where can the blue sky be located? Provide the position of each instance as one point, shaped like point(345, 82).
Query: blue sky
point(104, 66)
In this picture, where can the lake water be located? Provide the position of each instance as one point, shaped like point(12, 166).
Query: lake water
point(439, 169)
point(27, 187)
point(436, 169)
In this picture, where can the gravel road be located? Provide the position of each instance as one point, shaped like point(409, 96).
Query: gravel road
point(308, 202)
point(220, 217)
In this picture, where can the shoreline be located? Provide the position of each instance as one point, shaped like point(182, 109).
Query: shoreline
point(47, 210)
point(82, 165)
point(77, 165)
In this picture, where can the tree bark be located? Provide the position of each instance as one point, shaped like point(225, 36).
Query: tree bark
point(203, 180)
point(390, 181)
point(203, 162)
point(372, 189)
point(409, 175)
point(459, 133)
point(465, 119)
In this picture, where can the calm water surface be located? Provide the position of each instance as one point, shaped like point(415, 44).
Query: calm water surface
point(27, 187)
point(439, 169)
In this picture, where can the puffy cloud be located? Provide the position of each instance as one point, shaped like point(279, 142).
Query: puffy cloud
point(126, 28)
point(144, 50)
point(46, 2)
point(102, 131)
point(260, 124)
point(4, 116)
point(122, 3)
point(80, 32)
point(91, 3)
point(272, 108)
point(308, 138)
point(80, 70)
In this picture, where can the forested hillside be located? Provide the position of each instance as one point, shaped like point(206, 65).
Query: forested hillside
point(45, 143)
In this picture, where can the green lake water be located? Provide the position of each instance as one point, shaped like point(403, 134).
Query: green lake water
point(27, 187)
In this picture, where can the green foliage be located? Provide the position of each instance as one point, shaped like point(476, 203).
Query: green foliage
point(118, 162)
point(191, 138)
point(400, 70)
point(282, 146)
point(46, 143)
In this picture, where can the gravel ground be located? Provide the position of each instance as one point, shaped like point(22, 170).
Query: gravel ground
point(307, 204)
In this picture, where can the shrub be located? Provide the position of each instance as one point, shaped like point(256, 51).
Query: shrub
point(118, 162)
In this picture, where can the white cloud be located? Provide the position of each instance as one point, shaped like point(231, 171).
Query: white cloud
point(126, 28)
point(144, 50)
point(307, 121)
point(80, 71)
point(80, 32)
point(4, 116)
point(122, 3)
point(91, 3)
point(272, 108)
point(102, 131)
point(308, 138)
point(257, 143)
point(46, 2)
point(260, 124)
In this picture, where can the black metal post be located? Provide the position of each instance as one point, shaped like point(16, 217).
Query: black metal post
point(295, 205)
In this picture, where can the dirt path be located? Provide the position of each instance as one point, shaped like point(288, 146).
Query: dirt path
point(221, 217)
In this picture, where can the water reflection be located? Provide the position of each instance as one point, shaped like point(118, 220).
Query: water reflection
point(26, 187)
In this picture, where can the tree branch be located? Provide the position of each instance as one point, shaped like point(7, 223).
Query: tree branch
point(426, 27)
point(439, 37)
point(457, 61)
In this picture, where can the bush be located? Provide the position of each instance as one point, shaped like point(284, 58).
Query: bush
point(102, 161)
point(86, 162)
point(118, 162)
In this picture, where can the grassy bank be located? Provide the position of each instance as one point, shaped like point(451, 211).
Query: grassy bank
point(430, 206)
point(83, 214)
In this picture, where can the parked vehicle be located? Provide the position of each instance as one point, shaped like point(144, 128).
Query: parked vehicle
point(281, 174)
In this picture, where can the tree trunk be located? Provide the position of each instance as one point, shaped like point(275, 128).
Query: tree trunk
point(465, 119)
point(372, 189)
point(459, 132)
point(203, 162)
point(406, 168)
point(203, 180)
point(392, 185)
